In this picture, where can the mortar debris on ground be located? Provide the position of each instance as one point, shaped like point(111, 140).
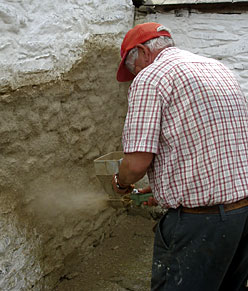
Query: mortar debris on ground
point(121, 262)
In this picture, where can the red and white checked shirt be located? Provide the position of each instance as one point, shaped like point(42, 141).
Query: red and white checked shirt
point(190, 112)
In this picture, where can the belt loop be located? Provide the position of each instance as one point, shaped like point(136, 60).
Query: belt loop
point(222, 212)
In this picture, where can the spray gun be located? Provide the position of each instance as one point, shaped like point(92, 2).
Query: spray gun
point(105, 167)
point(140, 198)
point(134, 198)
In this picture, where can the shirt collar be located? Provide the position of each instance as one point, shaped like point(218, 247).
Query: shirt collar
point(167, 52)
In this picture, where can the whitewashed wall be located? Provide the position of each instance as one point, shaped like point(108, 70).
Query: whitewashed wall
point(40, 40)
point(217, 35)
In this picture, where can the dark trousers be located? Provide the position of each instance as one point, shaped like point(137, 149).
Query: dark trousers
point(201, 252)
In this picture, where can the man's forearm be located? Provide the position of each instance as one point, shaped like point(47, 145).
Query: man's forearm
point(134, 167)
point(127, 176)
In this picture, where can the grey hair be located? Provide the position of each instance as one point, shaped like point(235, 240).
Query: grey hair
point(153, 44)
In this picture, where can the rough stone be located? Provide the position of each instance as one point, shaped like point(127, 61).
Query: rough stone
point(50, 200)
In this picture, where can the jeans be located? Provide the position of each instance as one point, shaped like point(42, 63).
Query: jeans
point(201, 252)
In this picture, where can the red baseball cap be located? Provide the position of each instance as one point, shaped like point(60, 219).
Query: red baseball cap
point(137, 35)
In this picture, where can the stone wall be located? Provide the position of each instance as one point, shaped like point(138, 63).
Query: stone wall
point(53, 124)
point(220, 33)
point(60, 108)
point(41, 40)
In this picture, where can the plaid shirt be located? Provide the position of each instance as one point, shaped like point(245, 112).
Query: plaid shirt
point(190, 112)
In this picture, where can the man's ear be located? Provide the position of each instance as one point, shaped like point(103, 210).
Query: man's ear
point(145, 51)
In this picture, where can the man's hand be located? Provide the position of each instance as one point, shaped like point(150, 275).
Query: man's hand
point(151, 201)
point(145, 190)
point(121, 189)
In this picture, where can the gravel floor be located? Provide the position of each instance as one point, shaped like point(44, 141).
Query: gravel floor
point(121, 262)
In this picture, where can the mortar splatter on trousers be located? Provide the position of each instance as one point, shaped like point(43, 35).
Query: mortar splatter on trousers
point(201, 252)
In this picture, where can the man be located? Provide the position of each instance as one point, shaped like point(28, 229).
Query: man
point(187, 128)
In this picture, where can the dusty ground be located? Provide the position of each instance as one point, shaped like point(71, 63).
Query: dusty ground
point(122, 262)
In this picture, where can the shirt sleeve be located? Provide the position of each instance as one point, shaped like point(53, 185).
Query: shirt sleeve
point(142, 125)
